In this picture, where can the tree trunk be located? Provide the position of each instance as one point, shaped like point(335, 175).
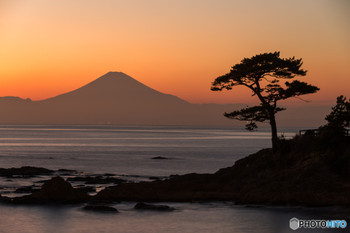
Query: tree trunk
point(273, 130)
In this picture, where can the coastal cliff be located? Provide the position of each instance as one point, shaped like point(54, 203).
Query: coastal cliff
point(299, 174)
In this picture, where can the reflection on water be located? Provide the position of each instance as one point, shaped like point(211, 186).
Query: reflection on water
point(187, 218)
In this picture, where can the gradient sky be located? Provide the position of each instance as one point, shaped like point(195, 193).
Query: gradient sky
point(48, 47)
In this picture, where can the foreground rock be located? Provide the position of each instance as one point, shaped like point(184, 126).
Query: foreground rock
point(144, 206)
point(56, 190)
point(285, 178)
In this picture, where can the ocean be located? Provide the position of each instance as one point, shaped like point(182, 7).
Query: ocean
point(129, 151)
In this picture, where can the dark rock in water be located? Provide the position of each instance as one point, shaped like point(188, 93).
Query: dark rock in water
point(67, 171)
point(97, 180)
point(56, 190)
point(27, 189)
point(100, 208)
point(23, 172)
point(144, 206)
point(108, 174)
point(159, 157)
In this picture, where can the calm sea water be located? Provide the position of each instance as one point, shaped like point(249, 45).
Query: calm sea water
point(129, 151)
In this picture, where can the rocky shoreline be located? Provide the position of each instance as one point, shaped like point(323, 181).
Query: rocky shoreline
point(305, 179)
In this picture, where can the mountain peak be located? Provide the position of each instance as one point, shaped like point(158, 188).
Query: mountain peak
point(115, 74)
point(115, 78)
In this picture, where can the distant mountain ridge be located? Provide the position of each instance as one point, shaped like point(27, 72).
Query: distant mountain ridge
point(13, 99)
point(116, 98)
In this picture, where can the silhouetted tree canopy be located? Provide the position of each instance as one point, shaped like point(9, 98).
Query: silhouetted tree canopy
point(340, 115)
point(263, 74)
point(251, 114)
point(334, 135)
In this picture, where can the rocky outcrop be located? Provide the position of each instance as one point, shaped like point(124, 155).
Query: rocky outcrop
point(261, 178)
point(56, 190)
point(26, 171)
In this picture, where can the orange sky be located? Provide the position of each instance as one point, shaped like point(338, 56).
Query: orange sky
point(48, 47)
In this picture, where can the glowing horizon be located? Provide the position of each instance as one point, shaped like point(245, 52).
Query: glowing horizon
point(51, 47)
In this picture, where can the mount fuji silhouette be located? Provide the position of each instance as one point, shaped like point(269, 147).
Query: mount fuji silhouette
point(114, 98)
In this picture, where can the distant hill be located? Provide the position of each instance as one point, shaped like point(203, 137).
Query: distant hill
point(13, 99)
point(116, 98)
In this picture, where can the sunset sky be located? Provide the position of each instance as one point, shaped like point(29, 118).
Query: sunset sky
point(48, 47)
